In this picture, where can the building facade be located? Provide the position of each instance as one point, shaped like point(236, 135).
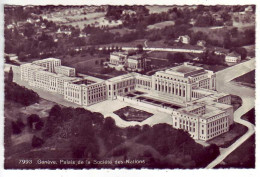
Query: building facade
point(204, 112)
point(65, 70)
point(49, 63)
point(179, 82)
point(127, 61)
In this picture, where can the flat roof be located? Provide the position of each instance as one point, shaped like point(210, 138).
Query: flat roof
point(211, 113)
point(122, 77)
point(85, 82)
point(65, 67)
point(94, 79)
point(193, 106)
point(46, 59)
point(185, 70)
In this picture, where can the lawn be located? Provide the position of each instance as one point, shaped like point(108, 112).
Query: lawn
point(121, 31)
point(236, 102)
point(226, 139)
point(125, 44)
point(94, 18)
point(242, 157)
point(213, 33)
point(247, 79)
point(161, 25)
point(250, 116)
point(158, 9)
point(90, 65)
point(250, 50)
point(132, 114)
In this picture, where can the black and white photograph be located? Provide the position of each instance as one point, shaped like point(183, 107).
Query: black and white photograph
point(129, 86)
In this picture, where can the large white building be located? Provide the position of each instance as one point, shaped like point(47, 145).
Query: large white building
point(200, 109)
point(49, 63)
point(65, 70)
point(124, 60)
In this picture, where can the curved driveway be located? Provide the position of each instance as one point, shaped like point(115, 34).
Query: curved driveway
point(247, 95)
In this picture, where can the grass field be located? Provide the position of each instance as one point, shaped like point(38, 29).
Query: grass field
point(131, 114)
point(125, 44)
point(213, 33)
point(158, 9)
point(242, 157)
point(161, 25)
point(121, 31)
point(250, 50)
point(226, 139)
point(250, 116)
point(247, 79)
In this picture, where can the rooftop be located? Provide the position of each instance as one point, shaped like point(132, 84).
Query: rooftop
point(185, 70)
point(122, 77)
point(64, 67)
point(85, 82)
point(45, 60)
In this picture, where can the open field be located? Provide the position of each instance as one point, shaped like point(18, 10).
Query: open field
point(161, 25)
point(161, 44)
point(226, 139)
point(158, 9)
point(247, 79)
point(242, 157)
point(250, 50)
point(121, 31)
point(250, 116)
point(214, 33)
point(81, 20)
point(125, 44)
point(91, 65)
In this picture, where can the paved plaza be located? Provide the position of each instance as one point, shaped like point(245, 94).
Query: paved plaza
point(109, 106)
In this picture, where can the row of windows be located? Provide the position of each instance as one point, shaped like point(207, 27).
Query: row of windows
point(217, 128)
point(170, 78)
point(217, 133)
point(217, 121)
point(142, 82)
point(190, 129)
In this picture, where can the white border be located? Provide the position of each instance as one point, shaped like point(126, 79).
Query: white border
point(123, 172)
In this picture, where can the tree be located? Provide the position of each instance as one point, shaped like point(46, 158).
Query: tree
point(16, 129)
point(37, 142)
point(55, 111)
point(242, 51)
point(10, 75)
point(140, 48)
point(7, 58)
point(176, 57)
point(39, 125)
point(33, 118)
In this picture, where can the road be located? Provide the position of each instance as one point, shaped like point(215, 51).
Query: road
point(162, 49)
point(247, 95)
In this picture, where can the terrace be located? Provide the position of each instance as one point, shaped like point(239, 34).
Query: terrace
point(85, 82)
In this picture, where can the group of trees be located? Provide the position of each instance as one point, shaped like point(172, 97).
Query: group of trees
point(17, 93)
point(209, 57)
point(85, 131)
point(176, 58)
point(167, 140)
point(20, 94)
